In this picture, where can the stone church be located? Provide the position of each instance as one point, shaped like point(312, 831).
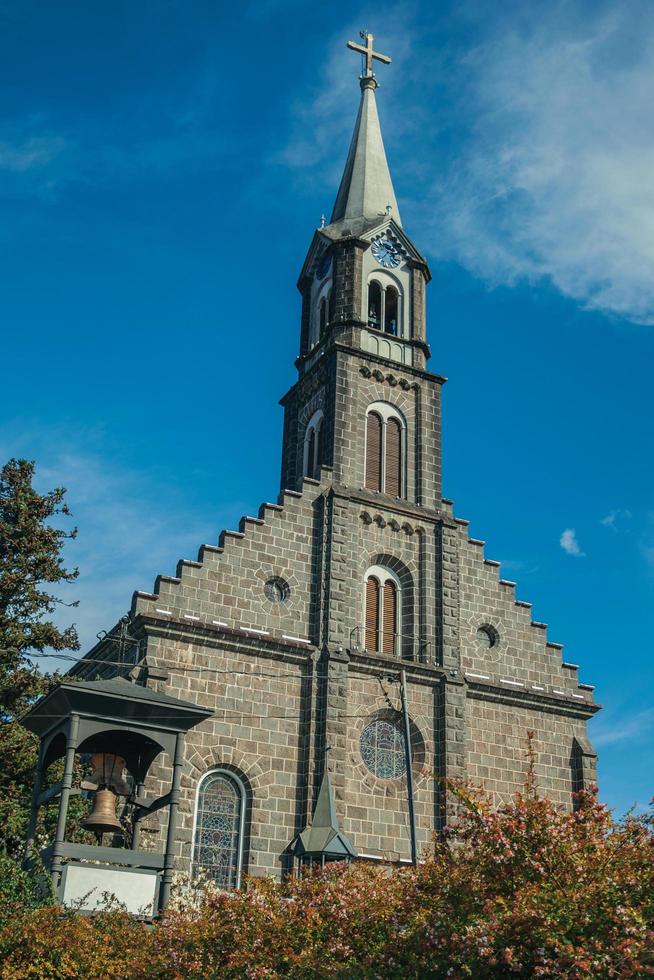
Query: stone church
point(356, 610)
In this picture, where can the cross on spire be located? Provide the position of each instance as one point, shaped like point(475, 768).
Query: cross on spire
point(368, 52)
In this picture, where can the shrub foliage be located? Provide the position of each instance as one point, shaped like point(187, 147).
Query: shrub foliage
point(526, 891)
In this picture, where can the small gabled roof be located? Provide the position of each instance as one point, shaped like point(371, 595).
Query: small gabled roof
point(323, 838)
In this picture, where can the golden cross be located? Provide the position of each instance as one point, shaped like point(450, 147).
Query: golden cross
point(368, 52)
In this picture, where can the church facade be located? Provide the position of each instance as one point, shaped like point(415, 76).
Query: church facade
point(356, 607)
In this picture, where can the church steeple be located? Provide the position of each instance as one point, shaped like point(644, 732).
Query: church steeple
point(366, 190)
point(362, 338)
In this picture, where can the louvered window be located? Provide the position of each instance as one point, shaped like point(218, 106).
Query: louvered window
point(382, 612)
point(393, 457)
point(385, 448)
point(389, 623)
point(372, 613)
point(373, 451)
point(311, 452)
point(319, 449)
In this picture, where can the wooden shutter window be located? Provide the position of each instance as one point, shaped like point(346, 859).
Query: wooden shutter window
point(389, 626)
point(311, 449)
point(319, 449)
point(372, 613)
point(393, 458)
point(373, 451)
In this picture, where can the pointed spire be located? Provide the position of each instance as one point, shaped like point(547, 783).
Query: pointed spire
point(324, 815)
point(366, 190)
point(323, 839)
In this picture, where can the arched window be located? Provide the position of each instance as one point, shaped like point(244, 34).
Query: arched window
point(319, 449)
point(385, 449)
point(374, 305)
point(372, 613)
point(391, 309)
point(311, 453)
point(382, 611)
point(320, 314)
point(389, 617)
point(374, 429)
point(219, 825)
point(393, 457)
point(313, 446)
point(384, 310)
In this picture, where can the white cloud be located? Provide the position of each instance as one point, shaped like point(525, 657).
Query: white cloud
point(131, 528)
point(555, 179)
point(628, 730)
point(35, 151)
point(569, 543)
point(613, 518)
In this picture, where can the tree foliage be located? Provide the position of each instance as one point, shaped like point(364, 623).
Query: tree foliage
point(526, 891)
point(31, 565)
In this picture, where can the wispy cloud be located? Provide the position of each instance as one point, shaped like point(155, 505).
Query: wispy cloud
point(613, 519)
point(130, 528)
point(555, 179)
point(32, 152)
point(569, 543)
point(326, 119)
point(626, 729)
point(516, 565)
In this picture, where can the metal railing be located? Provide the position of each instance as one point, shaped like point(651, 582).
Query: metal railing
point(403, 646)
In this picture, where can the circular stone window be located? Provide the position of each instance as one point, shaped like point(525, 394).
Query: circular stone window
point(276, 590)
point(487, 637)
point(382, 749)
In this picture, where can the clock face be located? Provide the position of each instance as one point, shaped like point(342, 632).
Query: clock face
point(386, 252)
point(324, 265)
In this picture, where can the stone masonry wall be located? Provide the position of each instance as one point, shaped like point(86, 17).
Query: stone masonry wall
point(497, 749)
point(258, 730)
point(374, 811)
point(359, 383)
point(226, 586)
point(522, 654)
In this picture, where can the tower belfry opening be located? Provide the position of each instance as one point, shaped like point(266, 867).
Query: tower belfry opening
point(355, 612)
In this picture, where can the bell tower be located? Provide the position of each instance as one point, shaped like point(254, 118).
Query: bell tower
point(364, 403)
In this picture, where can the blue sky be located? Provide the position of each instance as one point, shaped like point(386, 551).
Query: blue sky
point(162, 168)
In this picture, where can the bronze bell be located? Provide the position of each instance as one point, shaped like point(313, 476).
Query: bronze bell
point(102, 818)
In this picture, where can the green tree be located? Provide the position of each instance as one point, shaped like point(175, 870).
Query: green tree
point(31, 563)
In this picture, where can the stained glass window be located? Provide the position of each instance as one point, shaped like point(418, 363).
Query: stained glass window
point(382, 749)
point(218, 842)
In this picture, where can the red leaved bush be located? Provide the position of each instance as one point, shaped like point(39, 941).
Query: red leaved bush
point(526, 891)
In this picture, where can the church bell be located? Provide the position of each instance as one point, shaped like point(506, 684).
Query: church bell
point(102, 818)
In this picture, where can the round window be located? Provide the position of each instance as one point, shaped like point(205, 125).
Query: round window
point(276, 590)
point(382, 749)
point(487, 637)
